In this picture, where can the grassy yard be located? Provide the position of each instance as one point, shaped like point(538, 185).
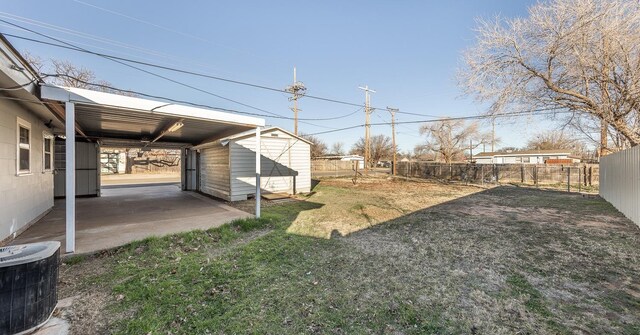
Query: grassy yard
point(381, 257)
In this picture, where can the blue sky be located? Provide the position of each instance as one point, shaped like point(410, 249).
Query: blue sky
point(408, 51)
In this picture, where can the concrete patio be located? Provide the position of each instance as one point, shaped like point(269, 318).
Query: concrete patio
point(125, 214)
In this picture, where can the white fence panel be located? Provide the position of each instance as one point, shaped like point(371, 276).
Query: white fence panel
point(620, 181)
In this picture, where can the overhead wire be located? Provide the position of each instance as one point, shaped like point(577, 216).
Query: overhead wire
point(540, 112)
point(125, 61)
point(120, 60)
point(147, 71)
point(179, 101)
point(203, 75)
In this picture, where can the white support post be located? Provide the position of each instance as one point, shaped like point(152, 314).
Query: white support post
point(258, 172)
point(70, 177)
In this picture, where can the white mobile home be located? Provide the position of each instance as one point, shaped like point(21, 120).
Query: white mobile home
point(227, 166)
point(526, 157)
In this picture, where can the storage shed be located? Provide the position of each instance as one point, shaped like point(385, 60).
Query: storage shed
point(227, 166)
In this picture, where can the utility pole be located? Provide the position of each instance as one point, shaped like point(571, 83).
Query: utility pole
point(393, 136)
point(367, 126)
point(297, 90)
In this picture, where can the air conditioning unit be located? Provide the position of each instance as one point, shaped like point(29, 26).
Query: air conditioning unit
point(28, 285)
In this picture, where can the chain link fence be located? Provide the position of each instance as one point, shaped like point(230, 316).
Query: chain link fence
point(570, 177)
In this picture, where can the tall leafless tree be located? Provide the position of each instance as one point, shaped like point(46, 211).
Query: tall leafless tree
point(550, 140)
point(65, 73)
point(576, 56)
point(450, 138)
point(381, 148)
point(318, 147)
point(337, 149)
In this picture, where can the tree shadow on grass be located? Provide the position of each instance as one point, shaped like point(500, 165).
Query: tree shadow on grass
point(559, 258)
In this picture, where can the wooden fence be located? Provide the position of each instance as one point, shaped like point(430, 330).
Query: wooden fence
point(620, 181)
point(574, 176)
point(331, 165)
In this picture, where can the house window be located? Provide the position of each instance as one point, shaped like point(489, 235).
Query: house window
point(47, 152)
point(526, 159)
point(24, 147)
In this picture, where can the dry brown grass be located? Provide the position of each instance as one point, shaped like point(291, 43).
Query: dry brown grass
point(393, 257)
point(348, 207)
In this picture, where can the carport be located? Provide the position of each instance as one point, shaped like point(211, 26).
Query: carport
point(111, 119)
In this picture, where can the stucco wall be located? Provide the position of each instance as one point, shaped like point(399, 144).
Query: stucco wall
point(23, 198)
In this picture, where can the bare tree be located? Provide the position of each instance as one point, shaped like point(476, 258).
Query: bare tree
point(381, 148)
point(450, 138)
point(550, 140)
point(581, 57)
point(337, 149)
point(65, 73)
point(318, 147)
point(36, 62)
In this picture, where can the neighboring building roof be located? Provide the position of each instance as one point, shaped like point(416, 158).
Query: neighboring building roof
point(524, 153)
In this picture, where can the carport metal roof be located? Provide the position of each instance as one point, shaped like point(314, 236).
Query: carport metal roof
point(124, 121)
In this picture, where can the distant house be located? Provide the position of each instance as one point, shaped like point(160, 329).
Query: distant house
point(560, 156)
point(350, 158)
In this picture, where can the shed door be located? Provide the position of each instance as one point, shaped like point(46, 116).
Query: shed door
point(190, 170)
point(87, 169)
point(277, 176)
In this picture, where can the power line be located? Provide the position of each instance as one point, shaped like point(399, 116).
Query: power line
point(473, 117)
point(540, 112)
point(198, 74)
point(165, 28)
point(185, 102)
point(144, 71)
point(120, 60)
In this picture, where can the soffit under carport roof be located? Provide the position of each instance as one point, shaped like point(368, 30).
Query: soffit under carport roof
point(110, 116)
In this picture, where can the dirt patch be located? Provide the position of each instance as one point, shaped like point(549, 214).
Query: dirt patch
point(350, 207)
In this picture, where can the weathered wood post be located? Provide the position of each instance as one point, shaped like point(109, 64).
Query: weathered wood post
point(569, 179)
point(579, 180)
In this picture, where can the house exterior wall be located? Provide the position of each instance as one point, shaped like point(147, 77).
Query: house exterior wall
point(214, 171)
point(27, 197)
point(282, 155)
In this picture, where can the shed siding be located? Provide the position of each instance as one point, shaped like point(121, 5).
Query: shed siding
point(214, 171)
point(24, 198)
point(282, 156)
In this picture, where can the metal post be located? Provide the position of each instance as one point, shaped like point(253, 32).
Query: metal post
point(258, 172)
point(579, 180)
point(70, 176)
